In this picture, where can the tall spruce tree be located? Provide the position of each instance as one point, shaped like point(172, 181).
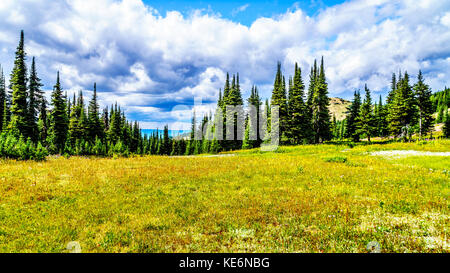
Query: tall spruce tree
point(297, 109)
point(380, 119)
point(43, 122)
point(424, 104)
point(309, 131)
point(3, 97)
point(320, 113)
point(401, 109)
point(446, 128)
point(19, 109)
point(35, 97)
point(58, 119)
point(367, 121)
point(252, 137)
point(95, 125)
point(233, 98)
point(279, 99)
point(353, 115)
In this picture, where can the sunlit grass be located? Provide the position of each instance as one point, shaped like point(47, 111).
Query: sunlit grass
point(297, 199)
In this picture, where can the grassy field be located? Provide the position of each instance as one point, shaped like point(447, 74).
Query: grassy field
point(327, 198)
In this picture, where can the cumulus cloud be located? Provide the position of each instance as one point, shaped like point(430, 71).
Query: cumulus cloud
point(150, 62)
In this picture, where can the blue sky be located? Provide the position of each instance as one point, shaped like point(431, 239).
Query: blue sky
point(159, 58)
point(244, 12)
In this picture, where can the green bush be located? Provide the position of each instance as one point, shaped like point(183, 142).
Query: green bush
point(336, 159)
point(11, 147)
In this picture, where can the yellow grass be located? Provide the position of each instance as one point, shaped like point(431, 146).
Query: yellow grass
point(299, 199)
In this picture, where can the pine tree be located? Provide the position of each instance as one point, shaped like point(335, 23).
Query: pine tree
point(166, 144)
point(320, 112)
point(401, 111)
point(43, 122)
point(279, 99)
point(352, 121)
point(380, 119)
point(446, 128)
point(252, 136)
point(297, 108)
point(19, 109)
point(3, 97)
point(233, 98)
point(367, 121)
point(94, 123)
point(114, 132)
point(35, 97)
point(58, 119)
point(391, 93)
point(309, 131)
point(424, 104)
point(6, 116)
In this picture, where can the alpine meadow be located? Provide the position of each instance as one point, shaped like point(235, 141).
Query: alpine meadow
point(283, 163)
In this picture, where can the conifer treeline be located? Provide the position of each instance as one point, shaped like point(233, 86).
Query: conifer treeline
point(408, 110)
point(304, 116)
point(33, 128)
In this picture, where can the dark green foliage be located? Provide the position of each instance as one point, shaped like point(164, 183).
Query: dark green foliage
point(380, 119)
point(3, 98)
point(446, 128)
point(298, 122)
point(279, 99)
point(366, 119)
point(252, 138)
point(19, 108)
point(58, 120)
point(95, 127)
point(320, 115)
point(353, 115)
point(424, 104)
point(401, 109)
point(35, 98)
point(336, 159)
point(18, 148)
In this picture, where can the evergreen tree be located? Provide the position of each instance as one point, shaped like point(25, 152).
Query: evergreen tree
point(309, 131)
point(297, 109)
point(58, 119)
point(380, 119)
point(252, 137)
point(35, 97)
point(95, 125)
point(352, 121)
point(401, 111)
point(366, 119)
point(166, 144)
point(424, 104)
point(446, 128)
point(43, 121)
point(19, 109)
point(320, 112)
point(3, 97)
point(6, 116)
point(279, 99)
point(233, 98)
point(114, 132)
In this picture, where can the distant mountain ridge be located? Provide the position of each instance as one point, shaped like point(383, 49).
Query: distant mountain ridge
point(338, 108)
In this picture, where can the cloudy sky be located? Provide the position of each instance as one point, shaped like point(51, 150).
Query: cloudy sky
point(156, 58)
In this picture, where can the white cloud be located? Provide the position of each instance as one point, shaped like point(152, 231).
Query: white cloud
point(239, 9)
point(143, 59)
